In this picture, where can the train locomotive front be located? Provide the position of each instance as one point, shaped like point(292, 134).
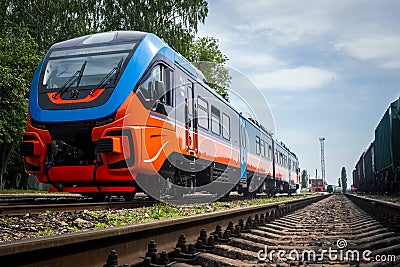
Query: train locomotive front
point(109, 108)
point(78, 103)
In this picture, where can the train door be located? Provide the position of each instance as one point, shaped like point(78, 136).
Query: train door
point(243, 148)
point(190, 119)
point(290, 170)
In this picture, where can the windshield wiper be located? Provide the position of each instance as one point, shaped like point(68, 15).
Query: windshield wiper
point(68, 83)
point(81, 74)
point(116, 69)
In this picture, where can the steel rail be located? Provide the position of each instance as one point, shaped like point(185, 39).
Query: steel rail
point(387, 213)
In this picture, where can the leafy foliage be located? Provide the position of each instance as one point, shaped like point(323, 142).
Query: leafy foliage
point(207, 56)
point(53, 21)
point(45, 232)
point(18, 57)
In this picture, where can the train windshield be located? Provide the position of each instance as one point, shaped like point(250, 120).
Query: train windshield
point(316, 182)
point(63, 65)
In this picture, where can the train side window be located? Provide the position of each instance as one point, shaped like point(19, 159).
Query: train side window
point(215, 120)
point(167, 78)
point(257, 145)
point(262, 148)
point(226, 127)
point(270, 152)
point(146, 89)
point(202, 113)
point(157, 87)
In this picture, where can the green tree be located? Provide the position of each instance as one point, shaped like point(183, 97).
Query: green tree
point(340, 185)
point(53, 21)
point(174, 21)
point(206, 55)
point(304, 179)
point(343, 179)
point(18, 57)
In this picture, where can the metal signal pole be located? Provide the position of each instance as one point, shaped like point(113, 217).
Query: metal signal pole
point(322, 139)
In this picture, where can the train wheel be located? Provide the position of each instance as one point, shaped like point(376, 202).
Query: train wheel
point(227, 194)
point(177, 193)
point(97, 196)
point(129, 196)
point(246, 193)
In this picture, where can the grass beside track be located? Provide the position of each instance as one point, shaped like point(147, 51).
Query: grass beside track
point(21, 191)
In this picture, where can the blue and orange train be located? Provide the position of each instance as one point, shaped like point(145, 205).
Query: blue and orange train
point(107, 108)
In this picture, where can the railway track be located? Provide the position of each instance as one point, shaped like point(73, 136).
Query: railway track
point(21, 204)
point(41, 198)
point(90, 248)
point(269, 235)
point(333, 231)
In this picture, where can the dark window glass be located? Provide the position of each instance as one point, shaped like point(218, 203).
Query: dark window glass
point(202, 113)
point(226, 127)
point(263, 148)
point(215, 120)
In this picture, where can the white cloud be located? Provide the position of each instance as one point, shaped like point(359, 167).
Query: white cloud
point(286, 22)
point(384, 50)
point(254, 59)
point(299, 79)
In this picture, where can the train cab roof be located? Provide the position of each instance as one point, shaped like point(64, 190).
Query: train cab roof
point(103, 38)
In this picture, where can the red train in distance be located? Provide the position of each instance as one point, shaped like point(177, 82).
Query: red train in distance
point(318, 185)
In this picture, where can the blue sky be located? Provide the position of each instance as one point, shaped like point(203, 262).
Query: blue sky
point(327, 69)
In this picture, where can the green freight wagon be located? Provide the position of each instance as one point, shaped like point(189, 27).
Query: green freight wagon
point(387, 151)
point(359, 182)
point(369, 170)
point(329, 188)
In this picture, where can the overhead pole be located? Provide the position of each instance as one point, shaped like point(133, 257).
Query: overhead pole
point(322, 139)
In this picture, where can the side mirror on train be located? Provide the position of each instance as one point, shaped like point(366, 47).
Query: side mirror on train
point(160, 91)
